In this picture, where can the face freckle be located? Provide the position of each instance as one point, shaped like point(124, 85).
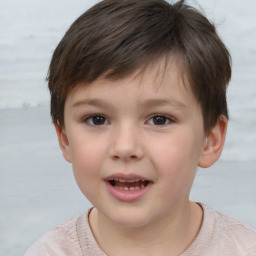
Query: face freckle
point(138, 163)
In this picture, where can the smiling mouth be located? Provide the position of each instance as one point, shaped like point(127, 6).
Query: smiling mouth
point(129, 185)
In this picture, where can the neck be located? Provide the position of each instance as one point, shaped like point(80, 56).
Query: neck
point(170, 235)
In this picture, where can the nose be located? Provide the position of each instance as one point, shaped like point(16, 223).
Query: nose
point(126, 144)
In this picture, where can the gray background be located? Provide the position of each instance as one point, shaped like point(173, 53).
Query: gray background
point(37, 188)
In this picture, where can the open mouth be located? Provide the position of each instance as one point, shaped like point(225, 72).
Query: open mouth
point(129, 185)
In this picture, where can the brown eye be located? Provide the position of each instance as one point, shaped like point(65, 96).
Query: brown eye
point(96, 120)
point(159, 120)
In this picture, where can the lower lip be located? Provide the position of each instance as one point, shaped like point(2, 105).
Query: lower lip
point(127, 195)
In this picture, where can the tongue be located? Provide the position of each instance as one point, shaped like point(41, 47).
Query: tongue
point(128, 184)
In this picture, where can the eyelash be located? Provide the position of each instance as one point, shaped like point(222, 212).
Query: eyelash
point(167, 119)
point(90, 120)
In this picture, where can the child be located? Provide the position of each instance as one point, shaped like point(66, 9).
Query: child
point(138, 99)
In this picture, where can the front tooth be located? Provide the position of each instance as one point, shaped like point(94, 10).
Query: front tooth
point(130, 181)
point(125, 188)
point(120, 180)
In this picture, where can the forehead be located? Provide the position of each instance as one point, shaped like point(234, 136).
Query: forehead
point(161, 79)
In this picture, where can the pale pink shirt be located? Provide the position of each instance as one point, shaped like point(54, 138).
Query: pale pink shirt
point(219, 235)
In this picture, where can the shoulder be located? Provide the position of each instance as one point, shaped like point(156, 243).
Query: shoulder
point(234, 227)
point(221, 234)
point(232, 235)
point(60, 241)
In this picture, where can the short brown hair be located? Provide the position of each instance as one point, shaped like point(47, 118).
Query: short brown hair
point(116, 37)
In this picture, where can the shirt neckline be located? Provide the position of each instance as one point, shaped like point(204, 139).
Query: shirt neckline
point(89, 245)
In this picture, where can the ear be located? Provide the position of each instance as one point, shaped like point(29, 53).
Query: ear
point(214, 143)
point(63, 142)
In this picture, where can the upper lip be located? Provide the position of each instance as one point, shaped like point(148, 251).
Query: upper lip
point(126, 177)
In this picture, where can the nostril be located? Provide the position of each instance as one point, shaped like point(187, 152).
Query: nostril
point(132, 157)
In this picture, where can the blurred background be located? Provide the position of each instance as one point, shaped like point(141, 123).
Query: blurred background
point(37, 188)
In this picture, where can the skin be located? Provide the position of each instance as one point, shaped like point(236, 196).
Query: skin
point(147, 124)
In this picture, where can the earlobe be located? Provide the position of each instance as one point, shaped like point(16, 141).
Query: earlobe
point(63, 142)
point(214, 143)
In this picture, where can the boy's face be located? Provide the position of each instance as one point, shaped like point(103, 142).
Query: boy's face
point(135, 144)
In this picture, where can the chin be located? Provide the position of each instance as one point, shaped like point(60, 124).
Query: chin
point(129, 219)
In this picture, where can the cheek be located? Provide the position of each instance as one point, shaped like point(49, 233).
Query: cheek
point(87, 160)
point(86, 151)
point(176, 159)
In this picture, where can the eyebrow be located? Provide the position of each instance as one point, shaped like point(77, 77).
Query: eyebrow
point(91, 102)
point(146, 103)
point(162, 102)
